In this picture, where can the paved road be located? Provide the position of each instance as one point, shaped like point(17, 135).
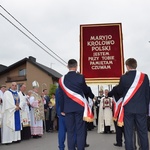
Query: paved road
point(49, 142)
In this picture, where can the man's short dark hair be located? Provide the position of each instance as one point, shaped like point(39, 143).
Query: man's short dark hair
point(44, 90)
point(72, 63)
point(132, 63)
point(21, 85)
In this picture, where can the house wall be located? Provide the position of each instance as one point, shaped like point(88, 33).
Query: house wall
point(3, 79)
point(15, 72)
point(34, 73)
point(12, 73)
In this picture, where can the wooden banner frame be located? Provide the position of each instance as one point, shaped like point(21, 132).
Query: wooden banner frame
point(101, 52)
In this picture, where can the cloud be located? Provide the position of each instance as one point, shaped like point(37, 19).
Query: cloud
point(56, 23)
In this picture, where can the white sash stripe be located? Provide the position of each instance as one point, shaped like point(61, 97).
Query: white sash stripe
point(83, 99)
point(131, 89)
point(72, 92)
point(118, 103)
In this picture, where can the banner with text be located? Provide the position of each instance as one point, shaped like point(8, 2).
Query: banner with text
point(101, 52)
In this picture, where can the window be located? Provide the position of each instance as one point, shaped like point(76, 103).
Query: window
point(22, 72)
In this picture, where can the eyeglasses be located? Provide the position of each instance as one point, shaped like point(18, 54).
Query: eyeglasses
point(14, 85)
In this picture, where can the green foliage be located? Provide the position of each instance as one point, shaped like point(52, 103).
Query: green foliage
point(52, 89)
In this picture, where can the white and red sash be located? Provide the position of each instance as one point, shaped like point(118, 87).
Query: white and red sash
point(139, 78)
point(116, 108)
point(88, 115)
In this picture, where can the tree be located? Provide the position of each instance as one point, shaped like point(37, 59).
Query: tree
point(52, 89)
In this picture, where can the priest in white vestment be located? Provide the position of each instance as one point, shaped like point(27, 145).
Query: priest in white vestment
point(25, 114)
point(2, 90)
point(11, 122)
point(105, 120)
point(36, 112)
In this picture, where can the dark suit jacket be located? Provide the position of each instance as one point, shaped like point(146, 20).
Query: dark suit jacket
point(89, 94)
point(140, 100)
point(75, 82)
point(57, 102)
point(47, 101)
point(114, 93)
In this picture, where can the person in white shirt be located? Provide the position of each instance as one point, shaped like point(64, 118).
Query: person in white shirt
point(2, 90)
point(25, 114)
point(11, 122)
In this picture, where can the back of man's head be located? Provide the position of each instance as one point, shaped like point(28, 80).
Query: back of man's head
point(131, 63)
point(72, 63)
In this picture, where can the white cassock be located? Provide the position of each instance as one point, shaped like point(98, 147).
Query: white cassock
point(8, 122)
point(25, 114)
point(1, 97)
point(105, 115)
point(36, 125)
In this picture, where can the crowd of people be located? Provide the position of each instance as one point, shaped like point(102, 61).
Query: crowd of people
point(25, 115)
point(129, 107)
point(74, 109)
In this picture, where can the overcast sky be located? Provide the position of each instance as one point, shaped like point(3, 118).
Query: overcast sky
point(56, 23)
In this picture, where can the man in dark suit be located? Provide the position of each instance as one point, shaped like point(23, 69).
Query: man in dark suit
point(71, 93)
point(46, 100)
point(89, 125)
point(62, 126)
point(117, 100)
point(134, 86)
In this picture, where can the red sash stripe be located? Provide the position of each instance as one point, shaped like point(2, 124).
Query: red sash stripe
point(88, 115)
point(117, 106)
point(128, 98)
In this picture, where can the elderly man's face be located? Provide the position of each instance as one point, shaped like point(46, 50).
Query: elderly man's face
point(14, 86)
point(106, 92)
point(101, 92)
point(35, 90)
point(23, 88)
